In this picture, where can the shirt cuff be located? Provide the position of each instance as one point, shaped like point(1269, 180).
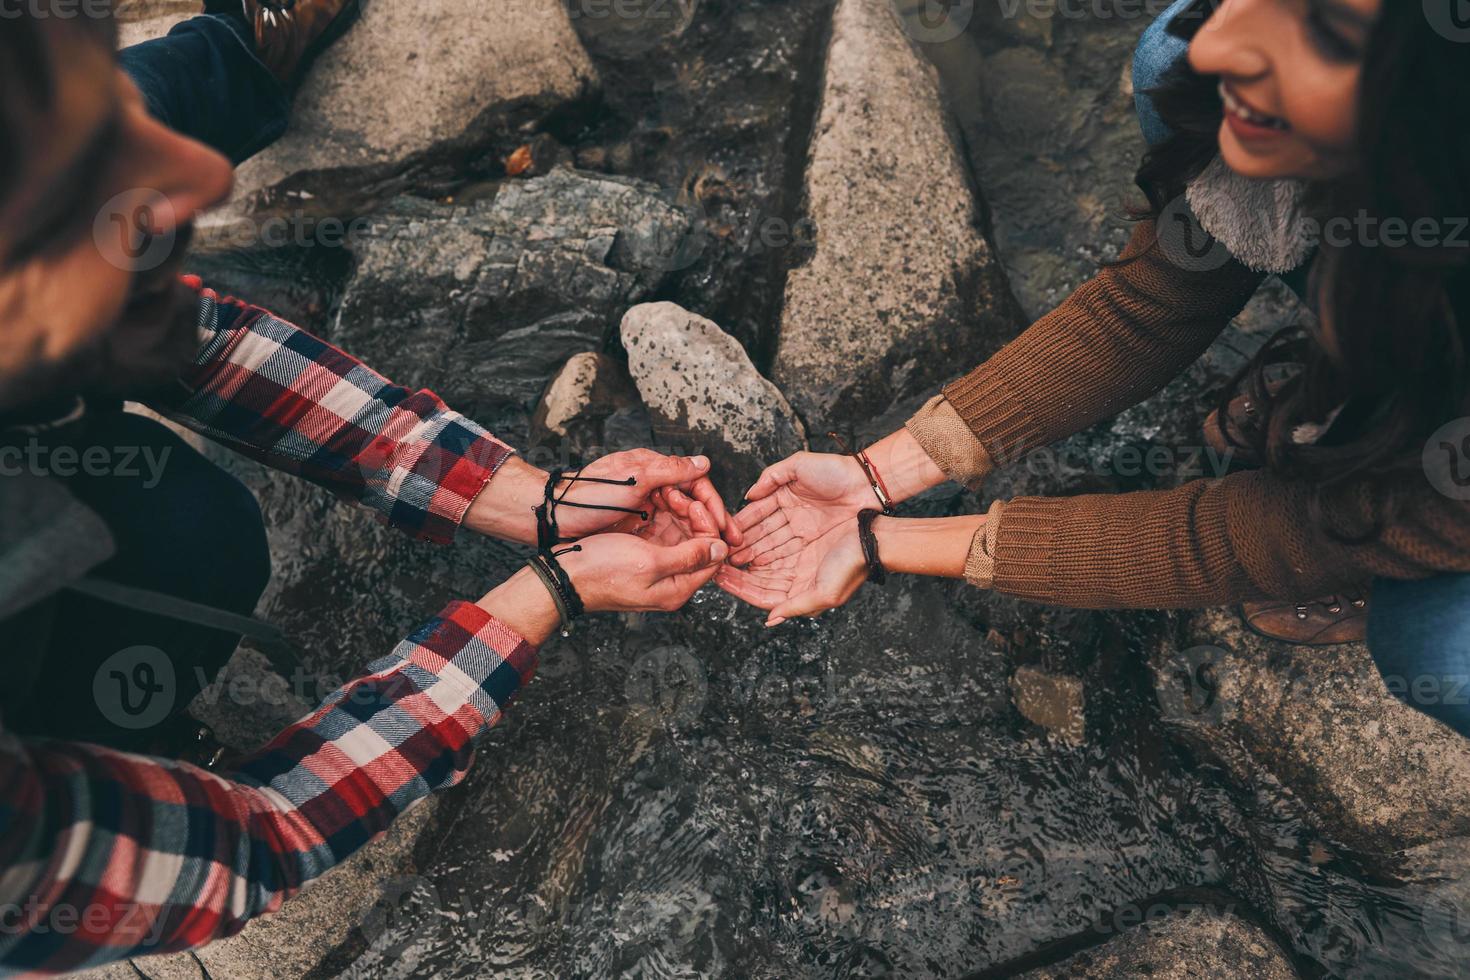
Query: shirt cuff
point(473, 653)
point(463, 459)
point(980, 565)
point(953, 446)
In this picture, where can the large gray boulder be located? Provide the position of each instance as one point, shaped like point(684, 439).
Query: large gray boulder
point(408, 85)
point(485, 302)
point(706, 396)
point(1376, 773)
point(901, 292)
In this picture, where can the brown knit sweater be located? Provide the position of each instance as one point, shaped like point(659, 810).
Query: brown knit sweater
point(1118, 339)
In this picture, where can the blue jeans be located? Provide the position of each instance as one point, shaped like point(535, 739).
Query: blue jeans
point(203, 80)
point(1419, 635)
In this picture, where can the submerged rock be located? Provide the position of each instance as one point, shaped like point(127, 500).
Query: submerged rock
point(484, 303)
point(1376, 773)
point(1056, 703)
point(1180, 945)
point(901, 292)
point(706, 396)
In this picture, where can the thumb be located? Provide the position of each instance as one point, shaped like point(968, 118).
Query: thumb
point(668, 471)
point(691, 556)
point(806, 604)
point(772, 477)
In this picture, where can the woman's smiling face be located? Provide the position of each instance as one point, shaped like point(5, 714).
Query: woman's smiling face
point(1290, 72)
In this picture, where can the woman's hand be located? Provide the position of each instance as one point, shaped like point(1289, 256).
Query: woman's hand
point(822, 575)
point(796, 502)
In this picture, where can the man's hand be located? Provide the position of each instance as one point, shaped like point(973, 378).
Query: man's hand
point(506, 507)
point(629, 573)
point(796, 502)
point(822, 575)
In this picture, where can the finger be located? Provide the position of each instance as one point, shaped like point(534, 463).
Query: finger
point(676, 501)
point(704, 491)
point(702, 521)
point(693, 555)
point(778, 550)
point(806, 604)
point(774, 476)
point(752, 514)
point(665, 471)
point(744, 588)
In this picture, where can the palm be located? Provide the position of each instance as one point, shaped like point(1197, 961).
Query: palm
point(820, 576)
point(796, 502)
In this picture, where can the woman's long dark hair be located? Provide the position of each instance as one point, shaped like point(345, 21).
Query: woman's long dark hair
point(1399, 317)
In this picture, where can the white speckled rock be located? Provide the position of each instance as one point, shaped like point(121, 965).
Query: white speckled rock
point(705, 394)
point(901, 292)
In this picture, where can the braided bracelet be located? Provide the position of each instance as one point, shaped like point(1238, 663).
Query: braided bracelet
point(869, 541)
point(548, 535)
point(563, 593)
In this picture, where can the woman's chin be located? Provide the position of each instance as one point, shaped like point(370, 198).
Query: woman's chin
point(1247, 162)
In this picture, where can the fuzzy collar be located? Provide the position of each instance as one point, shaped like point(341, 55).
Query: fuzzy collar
point(1261, 222)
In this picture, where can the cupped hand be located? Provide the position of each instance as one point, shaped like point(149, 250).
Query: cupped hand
point(822, 575)
point(617, 572)
point(797, 501)
point(652, 473)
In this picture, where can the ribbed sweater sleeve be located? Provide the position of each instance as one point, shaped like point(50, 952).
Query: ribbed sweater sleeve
point(1117, 339)
point(1248, 536)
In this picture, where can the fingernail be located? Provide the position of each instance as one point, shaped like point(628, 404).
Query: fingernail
point(701, 462)
point(718, 551)
point(775, 622)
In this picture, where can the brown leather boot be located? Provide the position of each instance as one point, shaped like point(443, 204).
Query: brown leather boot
point(1319, 623)
point(289, 34)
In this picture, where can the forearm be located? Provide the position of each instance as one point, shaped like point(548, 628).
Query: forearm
point(906, 468)
point(938, 546)
point(506, 507)
point(523, 604)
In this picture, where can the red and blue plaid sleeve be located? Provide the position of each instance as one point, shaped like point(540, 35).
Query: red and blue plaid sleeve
point(105, 855)
point(274, 392)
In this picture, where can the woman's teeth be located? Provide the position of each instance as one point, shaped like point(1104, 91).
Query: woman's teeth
point(1246, 114)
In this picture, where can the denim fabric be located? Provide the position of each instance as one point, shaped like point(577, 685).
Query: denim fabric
point(183, 527)
point(204, 80)
point(1419, 635)
point(1156, 52)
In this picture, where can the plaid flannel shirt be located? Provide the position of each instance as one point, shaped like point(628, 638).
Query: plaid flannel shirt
point(106, 855)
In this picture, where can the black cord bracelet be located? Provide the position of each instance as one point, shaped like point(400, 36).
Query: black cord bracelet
point(869, 541)
point(548, 534)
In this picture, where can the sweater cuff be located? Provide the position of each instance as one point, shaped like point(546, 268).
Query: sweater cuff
point(998, 419)
point(1023, 545)
point(980, 565)
point(940, 432)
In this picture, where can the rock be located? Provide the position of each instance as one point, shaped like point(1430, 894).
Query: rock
point(1377, 774)
point(1056, 703)
point(139, 20)
point(484, 303)
point(901, 292)
point(1183, 945)
point(569, 423)
point(407, 87)
point(706, 396)
point(296, 938)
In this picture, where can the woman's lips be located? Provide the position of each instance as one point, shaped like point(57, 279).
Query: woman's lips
point(1246, 122)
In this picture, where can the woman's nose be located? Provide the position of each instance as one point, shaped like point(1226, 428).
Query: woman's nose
point(1231, 42)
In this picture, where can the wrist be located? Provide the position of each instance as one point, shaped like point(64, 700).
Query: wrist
point(506, 506)
point(523, 604)
point(926, 546)
point(905, 467)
